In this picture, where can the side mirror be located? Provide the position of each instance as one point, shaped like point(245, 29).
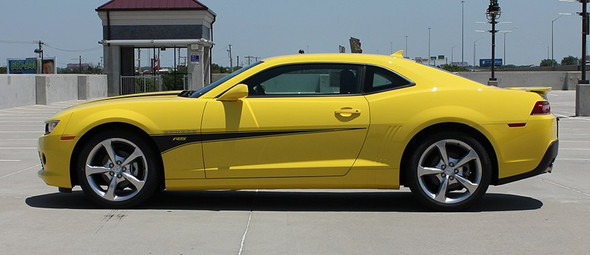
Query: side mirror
point(236, 93)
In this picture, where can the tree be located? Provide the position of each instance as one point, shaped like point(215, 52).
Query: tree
point(91, 69)
point(548, 62)
point(569, 61)
point(215, 68)
point(454, 68)
point(174, 79)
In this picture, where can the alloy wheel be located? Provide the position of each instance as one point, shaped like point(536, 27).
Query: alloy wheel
point(449, 171)
point(116, 169)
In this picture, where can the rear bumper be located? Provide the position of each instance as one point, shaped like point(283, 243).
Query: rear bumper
point(545, 166)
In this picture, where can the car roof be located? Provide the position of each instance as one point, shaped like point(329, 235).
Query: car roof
point(334, 57)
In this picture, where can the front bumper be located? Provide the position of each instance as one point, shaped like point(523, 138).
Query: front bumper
point(545, 166)
point(55, 164)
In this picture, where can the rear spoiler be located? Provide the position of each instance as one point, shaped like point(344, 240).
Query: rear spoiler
point(542, 91)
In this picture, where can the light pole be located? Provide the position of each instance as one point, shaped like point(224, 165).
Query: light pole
point(462, 32)
point(429, 46)
point(553, 21)
point(505, 32)
point(493, 13)
point(453, 54)
point(474, 52)
point(407, 56)
point(584, 38)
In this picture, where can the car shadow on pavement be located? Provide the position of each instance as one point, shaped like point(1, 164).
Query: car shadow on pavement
point(304, 201)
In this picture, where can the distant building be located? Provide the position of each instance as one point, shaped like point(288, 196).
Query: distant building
point(130, 24)
point(84, 66)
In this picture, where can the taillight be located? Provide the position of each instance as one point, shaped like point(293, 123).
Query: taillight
point(541, 107)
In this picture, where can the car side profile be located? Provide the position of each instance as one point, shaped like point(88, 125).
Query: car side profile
point(310, 121)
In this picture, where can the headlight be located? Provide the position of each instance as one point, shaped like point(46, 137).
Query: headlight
point(50, 126)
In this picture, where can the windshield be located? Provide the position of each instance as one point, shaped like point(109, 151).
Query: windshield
point(200, 92)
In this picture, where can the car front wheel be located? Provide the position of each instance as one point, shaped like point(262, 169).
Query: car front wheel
point(117, 169)
point(449, 171)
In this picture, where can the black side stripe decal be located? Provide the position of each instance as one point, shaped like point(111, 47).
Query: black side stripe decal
point(168, 142)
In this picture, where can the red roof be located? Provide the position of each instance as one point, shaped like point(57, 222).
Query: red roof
point(140, 5)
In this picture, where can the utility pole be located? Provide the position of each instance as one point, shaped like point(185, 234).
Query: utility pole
point(249, 58)
point(40, 52)
point(231, 59)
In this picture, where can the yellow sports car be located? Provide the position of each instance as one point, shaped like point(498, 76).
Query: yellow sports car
point(325, 121)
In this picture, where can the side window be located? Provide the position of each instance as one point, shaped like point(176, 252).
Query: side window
point(381, 79)
point(306, 79)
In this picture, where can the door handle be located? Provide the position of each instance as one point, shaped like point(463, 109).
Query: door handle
point(347, 112)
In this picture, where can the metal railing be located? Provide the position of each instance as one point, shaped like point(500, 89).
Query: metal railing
point(140, 84)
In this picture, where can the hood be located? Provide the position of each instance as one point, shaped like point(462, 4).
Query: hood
point(164, 95)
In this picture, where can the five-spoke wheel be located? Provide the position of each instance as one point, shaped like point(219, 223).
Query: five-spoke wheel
point(117, 170)
point(449, 171)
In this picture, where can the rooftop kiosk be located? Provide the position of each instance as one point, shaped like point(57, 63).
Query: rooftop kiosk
point(130, 24)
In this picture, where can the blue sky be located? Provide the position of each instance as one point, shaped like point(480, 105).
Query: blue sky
point(265, 28)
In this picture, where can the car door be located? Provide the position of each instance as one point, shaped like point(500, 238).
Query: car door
point(298, 121)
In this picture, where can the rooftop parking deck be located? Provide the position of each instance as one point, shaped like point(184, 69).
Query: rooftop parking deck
point(547, 214)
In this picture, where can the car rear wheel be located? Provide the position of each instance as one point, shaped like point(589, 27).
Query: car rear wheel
point(449, 171)
point(117, 169)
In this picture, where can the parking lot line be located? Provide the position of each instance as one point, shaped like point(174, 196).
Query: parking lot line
point(20, 171)
point(19, 131)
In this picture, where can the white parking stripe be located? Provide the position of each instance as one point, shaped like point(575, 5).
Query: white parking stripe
point(20, 171)
point(20, 131)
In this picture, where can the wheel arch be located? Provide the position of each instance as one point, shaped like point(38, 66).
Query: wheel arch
point(119, 126)
point(446, 127)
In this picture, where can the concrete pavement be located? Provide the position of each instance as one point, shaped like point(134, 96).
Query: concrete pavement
point(547, 214)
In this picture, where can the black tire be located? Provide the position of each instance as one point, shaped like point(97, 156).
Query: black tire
point(123, 179)
point(453, 184)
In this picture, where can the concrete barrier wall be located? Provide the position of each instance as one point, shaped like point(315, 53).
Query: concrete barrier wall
point(558, 80)
point(56, 88)
point(17, 90)
point(29, 89)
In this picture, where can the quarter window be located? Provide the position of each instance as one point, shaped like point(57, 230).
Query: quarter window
point(380, 79)
point(307, 79)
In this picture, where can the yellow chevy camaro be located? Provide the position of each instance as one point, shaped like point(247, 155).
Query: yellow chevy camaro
point(325, 121)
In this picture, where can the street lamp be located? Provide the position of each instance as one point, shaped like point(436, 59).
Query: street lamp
point(493, 13)
point(505, 32)
point(553, 21)
point(429, 46)
point(474, 52)
point(407, 56)
point(453, 54)
point(583, 87)
point(462, 32)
